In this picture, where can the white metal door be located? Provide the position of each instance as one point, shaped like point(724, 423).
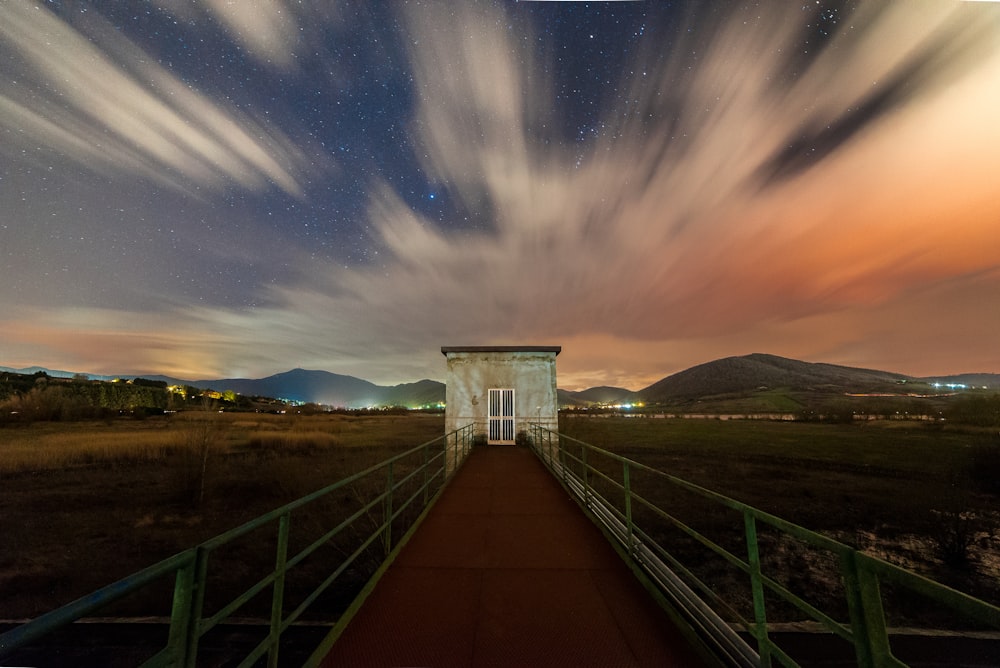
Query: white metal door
point(501, 417)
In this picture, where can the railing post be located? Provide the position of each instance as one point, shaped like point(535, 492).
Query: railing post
point(193, 631)
point(387, 531)
point(426, 449)
point(627, 485)
point(757, 588)
point(454, 456)
point(447, 454)
point(278, 594)
point(855, 608)
point(563, 461)
point(864, 604)
point(181, 610)
point(586, 478)
point(553, 451)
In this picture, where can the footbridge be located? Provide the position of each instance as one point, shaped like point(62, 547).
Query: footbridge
point(548, 553)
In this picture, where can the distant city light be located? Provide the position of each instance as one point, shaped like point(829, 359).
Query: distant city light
point(951, 386)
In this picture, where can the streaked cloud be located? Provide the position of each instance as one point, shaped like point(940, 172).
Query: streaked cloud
point(835, 206)
point(102, 102)
point(656, 239)
point(277, 33)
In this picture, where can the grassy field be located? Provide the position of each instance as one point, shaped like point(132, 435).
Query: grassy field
point(87, 503)
point(903, 491)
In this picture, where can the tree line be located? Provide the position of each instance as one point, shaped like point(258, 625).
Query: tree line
point(38, 396)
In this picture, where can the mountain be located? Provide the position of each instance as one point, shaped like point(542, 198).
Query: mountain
point(331, 389)
point(299, 385)
point(716, 381)
point(54, 373)
point(598, 395)
point(757, 371)
point(421, 393)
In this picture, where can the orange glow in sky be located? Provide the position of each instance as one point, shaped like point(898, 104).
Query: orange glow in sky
point(647, 187)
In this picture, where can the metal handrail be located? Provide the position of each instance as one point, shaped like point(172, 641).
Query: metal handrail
point(190, 567)
point(860, 573)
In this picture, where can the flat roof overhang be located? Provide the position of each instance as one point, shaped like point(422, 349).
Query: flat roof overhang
point(500, 349)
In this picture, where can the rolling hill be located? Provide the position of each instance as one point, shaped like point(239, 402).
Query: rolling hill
point(331, 389)
point(713, 384)
point(598, 395)
point(303, 385)
point(760, 371)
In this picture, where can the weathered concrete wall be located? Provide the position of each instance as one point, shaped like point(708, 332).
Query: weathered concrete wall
point(530, 372)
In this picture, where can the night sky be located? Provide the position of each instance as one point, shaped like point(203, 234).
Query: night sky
point(233, 189)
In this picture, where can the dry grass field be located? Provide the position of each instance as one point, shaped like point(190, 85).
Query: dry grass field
point(87, 503)
point(917, 494)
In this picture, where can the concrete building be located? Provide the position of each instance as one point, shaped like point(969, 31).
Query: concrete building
point(501, 389)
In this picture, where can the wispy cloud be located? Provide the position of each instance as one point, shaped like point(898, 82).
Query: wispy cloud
point(674, 224)
point(102, 102)
point(278, 34)
point(820, 205)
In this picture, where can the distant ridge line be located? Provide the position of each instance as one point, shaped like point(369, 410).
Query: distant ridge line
point(729, 375)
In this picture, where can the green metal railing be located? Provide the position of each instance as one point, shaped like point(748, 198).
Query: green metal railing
point(406, 483)
point(605, 485)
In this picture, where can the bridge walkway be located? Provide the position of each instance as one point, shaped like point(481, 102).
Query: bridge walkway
point(507, 571)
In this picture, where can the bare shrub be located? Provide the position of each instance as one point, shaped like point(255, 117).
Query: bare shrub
point(984, 467)
point(194, 444)
point(954, 534)
point(272, 444)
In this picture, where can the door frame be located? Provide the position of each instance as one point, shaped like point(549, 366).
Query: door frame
point(500, 417)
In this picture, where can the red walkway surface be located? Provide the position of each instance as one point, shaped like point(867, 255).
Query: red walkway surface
point(506, 570)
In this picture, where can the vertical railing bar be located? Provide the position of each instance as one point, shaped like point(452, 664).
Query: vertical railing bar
point(426, 451)
point(197, 604)
point(180, 613)
point(856, 610)
point(563, 460)
point(586, 477)
point(627, 485)
point(278, 593)
point(757, 588)
point(387, 531)
point(871, 605)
